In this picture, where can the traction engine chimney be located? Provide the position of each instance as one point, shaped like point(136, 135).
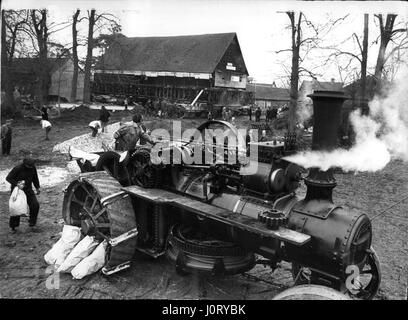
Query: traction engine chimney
point(326, 120)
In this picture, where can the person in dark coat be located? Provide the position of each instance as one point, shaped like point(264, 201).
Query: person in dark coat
point(127, 136)
point(258, 114)
point(250, 113)
point(6, 134)
point(44, 113)
point(104, 116)
point(26, 172)
point(248, 140)
point(274, 113)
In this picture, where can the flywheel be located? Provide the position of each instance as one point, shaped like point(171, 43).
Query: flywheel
point(95, 203)
point(193, 250)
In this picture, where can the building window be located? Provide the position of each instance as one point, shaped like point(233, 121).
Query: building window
point(235, 78)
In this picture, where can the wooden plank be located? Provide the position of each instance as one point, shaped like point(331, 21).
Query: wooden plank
point(219, 214)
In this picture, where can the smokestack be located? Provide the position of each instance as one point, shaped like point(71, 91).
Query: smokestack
point(326, 120)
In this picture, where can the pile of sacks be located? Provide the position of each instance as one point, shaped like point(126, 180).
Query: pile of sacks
point(80, 257)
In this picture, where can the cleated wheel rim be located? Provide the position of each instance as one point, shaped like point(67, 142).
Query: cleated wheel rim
point(95, 203)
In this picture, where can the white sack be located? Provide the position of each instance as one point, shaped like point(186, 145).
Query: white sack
point(18, 203)
point(81, 250)
point(79, 154)
point(60, 250)
point(45, 124)
point(92, 263)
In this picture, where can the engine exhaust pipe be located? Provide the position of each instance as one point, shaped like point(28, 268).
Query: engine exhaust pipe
point(326, 120)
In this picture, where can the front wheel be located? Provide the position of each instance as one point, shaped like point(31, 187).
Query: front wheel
point(362, 285)
point(311, 292)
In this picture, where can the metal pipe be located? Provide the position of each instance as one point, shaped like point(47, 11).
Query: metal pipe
point(326, 120)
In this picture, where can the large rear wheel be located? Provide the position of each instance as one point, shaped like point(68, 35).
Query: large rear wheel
point(95, 203)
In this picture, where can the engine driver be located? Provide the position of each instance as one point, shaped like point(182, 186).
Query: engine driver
point(128, 136)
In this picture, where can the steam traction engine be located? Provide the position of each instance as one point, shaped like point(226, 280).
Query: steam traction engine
point(216, 218)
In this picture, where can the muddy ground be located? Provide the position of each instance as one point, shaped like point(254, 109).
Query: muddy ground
point(24, 274)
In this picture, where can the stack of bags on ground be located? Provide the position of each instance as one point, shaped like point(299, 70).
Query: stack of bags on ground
point(80, 257)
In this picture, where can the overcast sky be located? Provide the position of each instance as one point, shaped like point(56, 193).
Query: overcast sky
point(260, 25)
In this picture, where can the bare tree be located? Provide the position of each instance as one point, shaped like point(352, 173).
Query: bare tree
point(12, 23)
point(294, 76)
point(40, 28)
point(360, 54)
point(305, 36)
point(364, 54)
point(88, 62)
point(388, 33)
point(75, 59)
point(97, 22)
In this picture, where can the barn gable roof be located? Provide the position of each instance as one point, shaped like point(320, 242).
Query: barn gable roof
point(191, 53)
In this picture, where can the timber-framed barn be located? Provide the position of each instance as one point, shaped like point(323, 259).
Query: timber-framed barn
point(175, 68)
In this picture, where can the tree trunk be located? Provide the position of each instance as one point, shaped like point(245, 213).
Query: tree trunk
point(74, 82)
point(41, 31)
point(294, 82)
point(6, 61)
point(88, 62)
point(364, 58)
point(385, 36)
point(294, 77)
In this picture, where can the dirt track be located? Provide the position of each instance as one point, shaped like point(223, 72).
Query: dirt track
point(23, 271)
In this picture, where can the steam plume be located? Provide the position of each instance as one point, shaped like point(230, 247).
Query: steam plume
point(305, 110)
point(380, 137)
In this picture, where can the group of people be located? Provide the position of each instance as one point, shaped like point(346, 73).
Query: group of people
point(127, 136)
point(226, 114)
point(270, 114)
point(7, 131)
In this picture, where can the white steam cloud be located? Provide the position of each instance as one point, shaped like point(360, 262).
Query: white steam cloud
point(305, 110)
point(380, 137)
